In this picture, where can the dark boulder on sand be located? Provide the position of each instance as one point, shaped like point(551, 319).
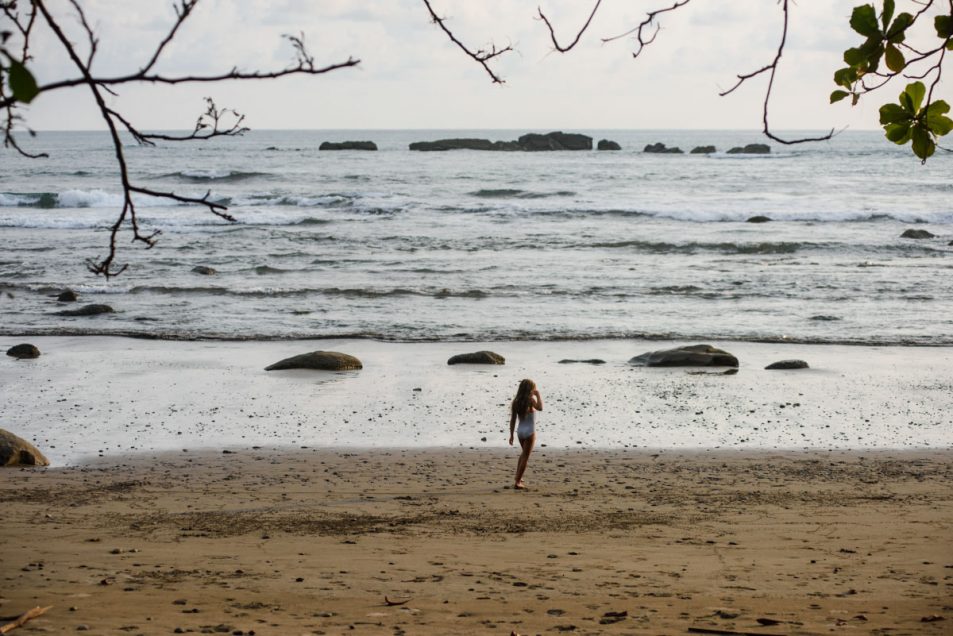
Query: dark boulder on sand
point(700, 355)
point(67, 296)
point(661, 148)
point(204, 270)
point(479, 357)
point(703, 150)
point(16, 451)
point(788, 364)
point(320, 360)
point(87, 310)
point(759, 218)
point(348, 145)
point(751, 149)
point(608, 144)
point(23, 351)
point(917, 234)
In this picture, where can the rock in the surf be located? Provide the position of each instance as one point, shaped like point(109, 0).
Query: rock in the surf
point(557, 140)
point(701, 355)
point(917, 234)
point(23, 351)
point(703, 150)
point(478, 357)
point(67, 296)
point(758, 218)
point(204, 270)
point(660, 148)
point(608, 144)
point(320, 360)
point(751, 149)
point(788, 364)
point(16, 451)
point(87, 310)
point(348, 145)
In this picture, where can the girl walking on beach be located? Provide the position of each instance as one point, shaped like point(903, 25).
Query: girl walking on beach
point(524, 407)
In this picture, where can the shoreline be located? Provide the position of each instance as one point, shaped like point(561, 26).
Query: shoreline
point(91, 396)
point(603, 542)
point(376, 337)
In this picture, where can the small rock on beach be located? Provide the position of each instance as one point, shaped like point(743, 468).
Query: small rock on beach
point(320, 360)
point(478, 357)
point(788, 364)
point(23, 351)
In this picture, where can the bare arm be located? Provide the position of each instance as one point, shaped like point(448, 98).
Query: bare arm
point(512, 425)
point(537, 400)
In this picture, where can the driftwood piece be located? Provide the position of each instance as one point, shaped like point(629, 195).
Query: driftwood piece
point(24, 618)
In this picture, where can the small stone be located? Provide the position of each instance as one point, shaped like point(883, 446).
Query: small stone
point(204, 270)
point(67, 296)
point(479, 357)
point(788, 364)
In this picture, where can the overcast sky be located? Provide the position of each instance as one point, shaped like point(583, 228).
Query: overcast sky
point(411, 76)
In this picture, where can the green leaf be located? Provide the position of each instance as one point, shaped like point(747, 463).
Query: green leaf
point(894, 59)
point(916, 92)
point(907, 103)
point(836, 96)
point(893, 113)
point(22, 84)
point(854, 56)
point(923, 145)
point(936, 119)
point(845, 77)
point(898, 133)
point(949, 45)
point(887, 15)
point(864, 20)
point(944, 26)
point(898, 30)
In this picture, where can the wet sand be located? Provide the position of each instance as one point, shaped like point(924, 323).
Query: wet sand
point(317, 541)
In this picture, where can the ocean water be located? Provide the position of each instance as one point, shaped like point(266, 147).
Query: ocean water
point(485, 246)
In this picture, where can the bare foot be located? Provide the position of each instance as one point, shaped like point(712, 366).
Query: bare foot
point(520, 486)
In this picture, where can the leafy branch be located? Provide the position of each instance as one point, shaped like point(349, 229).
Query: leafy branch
point(18, 87)
point(911, 119)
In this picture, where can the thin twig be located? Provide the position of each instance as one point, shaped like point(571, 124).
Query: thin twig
point(552, 33)
point(480, 56)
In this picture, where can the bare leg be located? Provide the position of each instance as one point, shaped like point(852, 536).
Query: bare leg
point(527, 446)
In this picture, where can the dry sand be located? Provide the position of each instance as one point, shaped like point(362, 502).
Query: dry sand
point(312, 542)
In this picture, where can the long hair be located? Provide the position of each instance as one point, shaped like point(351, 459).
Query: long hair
point(523, 400)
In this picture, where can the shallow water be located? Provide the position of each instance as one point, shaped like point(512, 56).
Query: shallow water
point(468, 245)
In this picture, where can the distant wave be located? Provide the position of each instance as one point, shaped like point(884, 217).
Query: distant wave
point(511, 193)
point(222, 176)
point(662, 247)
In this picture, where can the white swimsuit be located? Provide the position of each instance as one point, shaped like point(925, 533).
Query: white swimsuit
point(527, 425)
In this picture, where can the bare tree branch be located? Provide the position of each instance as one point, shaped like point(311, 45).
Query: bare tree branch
point(214, 122)
point(480, 56)
point(772, 69)
point(639, 30)
point(552, 34)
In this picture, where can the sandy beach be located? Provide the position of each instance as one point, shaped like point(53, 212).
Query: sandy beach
point(320, 542)
point(192, 491)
